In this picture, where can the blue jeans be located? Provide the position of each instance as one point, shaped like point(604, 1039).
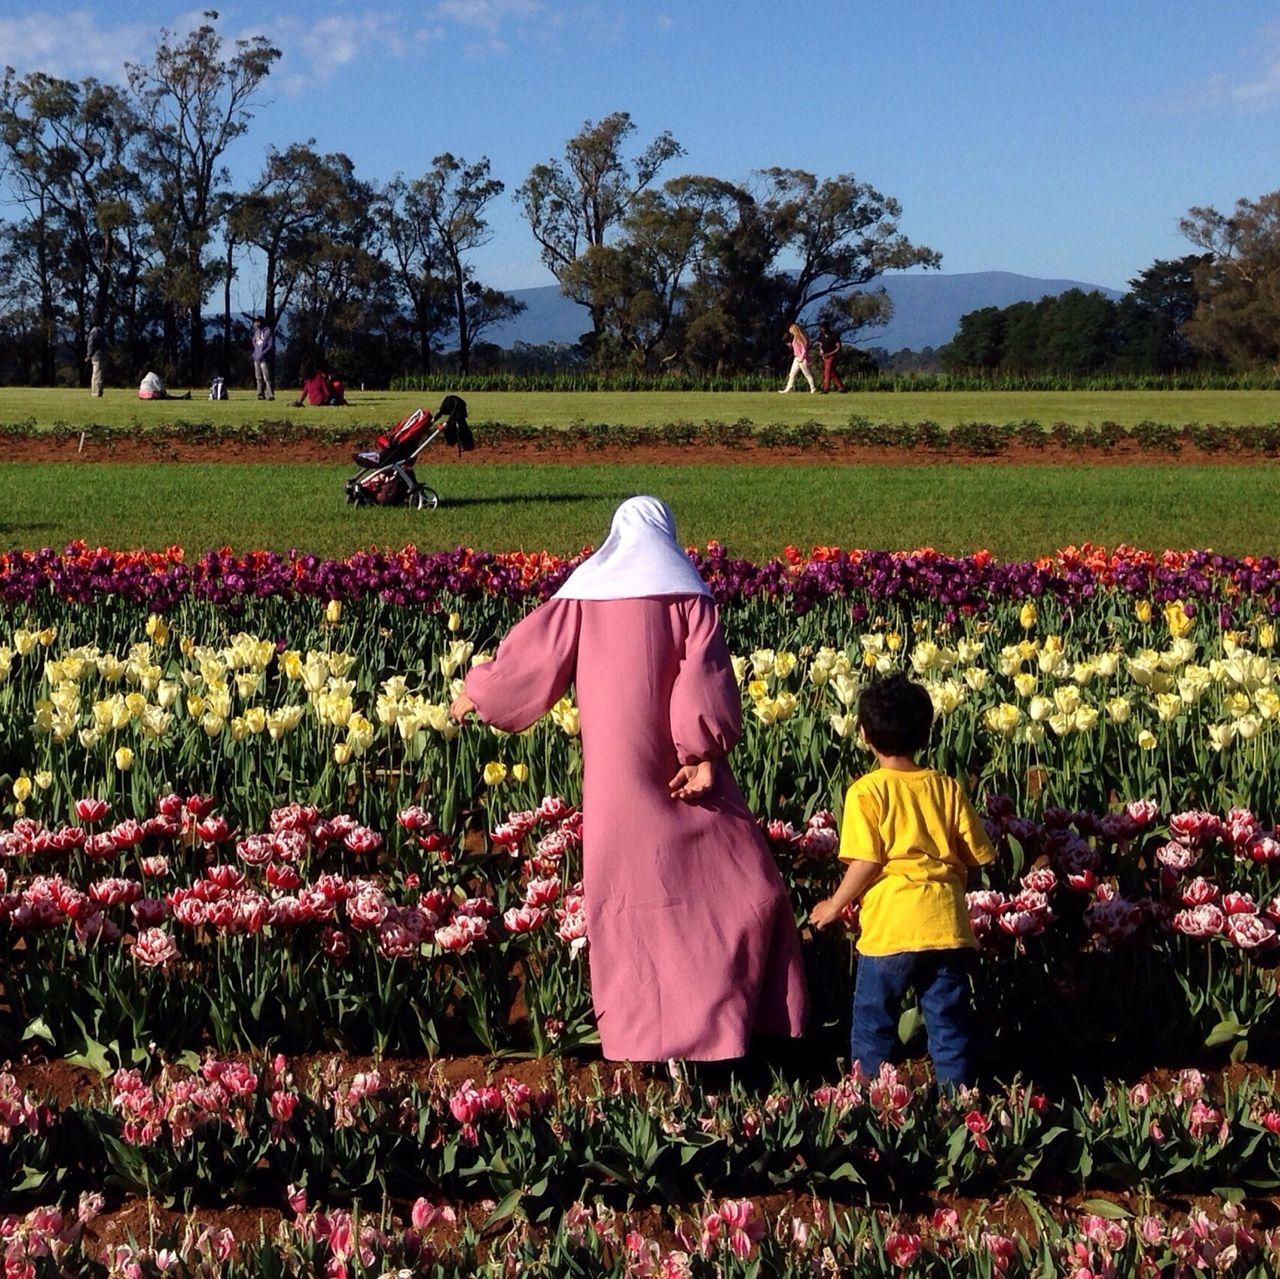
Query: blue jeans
point(941, 979)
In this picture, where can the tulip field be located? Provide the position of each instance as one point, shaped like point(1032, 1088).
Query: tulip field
point(297, 969)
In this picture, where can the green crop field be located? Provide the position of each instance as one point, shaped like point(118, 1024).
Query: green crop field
point(122, 408)
point(1016, 511)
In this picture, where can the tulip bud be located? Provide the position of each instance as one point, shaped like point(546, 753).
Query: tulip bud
point(455, 622)
point(22, 788)
point(124, 759)
point(333, 612)
point(1027, 615)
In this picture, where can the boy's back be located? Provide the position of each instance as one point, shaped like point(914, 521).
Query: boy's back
point(917, 826)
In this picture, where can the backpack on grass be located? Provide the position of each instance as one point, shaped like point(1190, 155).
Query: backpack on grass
point(218, 389)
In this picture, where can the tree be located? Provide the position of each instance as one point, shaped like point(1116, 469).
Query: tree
point(1154, 314)
point(635, 285)
point(342, 305)
point(979, 341)
point(798, 246)
point(573, 205)
point(454, 196)
point(411, 247)
point(196, 100)
point(1237, 312)
point(67, 150)
point(843, 234)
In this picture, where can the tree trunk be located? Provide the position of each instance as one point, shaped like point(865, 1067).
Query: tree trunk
point(226, 309)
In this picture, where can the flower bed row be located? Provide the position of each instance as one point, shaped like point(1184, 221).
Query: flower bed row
point(159, 580)
point(1110, 699)
point(964, 438)
point(249, 1130)
point(1104, 936)
point(722, 1239)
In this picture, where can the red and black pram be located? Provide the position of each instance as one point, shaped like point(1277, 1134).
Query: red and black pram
point(387, 477)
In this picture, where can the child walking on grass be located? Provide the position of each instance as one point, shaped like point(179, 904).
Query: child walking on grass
point(911, 839)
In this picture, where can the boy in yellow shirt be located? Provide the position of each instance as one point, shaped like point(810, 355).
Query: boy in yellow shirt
point(911, 839)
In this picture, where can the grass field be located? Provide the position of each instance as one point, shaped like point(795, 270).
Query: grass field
point(1014, 511)
point(122, 408)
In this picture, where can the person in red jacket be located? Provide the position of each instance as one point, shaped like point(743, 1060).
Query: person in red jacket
point(320, 389)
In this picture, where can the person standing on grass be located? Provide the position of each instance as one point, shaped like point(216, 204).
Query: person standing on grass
point(95, 357)
point(264, 345)
point(912, 841)
point(691, 938)
point(799, 359)
point(829, 348)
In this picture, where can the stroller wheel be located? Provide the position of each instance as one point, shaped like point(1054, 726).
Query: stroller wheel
point(424, 499)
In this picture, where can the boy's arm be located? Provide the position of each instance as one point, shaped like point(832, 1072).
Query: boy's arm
point(857, 879)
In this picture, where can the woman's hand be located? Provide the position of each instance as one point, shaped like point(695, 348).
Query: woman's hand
point(693, 780)
point(462, 707)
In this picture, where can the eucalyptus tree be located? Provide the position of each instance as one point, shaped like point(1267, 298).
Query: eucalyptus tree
point(195, 98)
point(574, 204)
point(66, 152)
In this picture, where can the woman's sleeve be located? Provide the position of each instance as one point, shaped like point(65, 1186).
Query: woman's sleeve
point(532, 669)
point(706, 706)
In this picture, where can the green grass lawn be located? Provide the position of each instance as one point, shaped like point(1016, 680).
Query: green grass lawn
point(1014, 511)
point(122, 408)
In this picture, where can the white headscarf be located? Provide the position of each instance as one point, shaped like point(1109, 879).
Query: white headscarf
point(639, 557)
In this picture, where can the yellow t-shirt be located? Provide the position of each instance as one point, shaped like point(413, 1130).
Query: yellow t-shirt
point(922, 832)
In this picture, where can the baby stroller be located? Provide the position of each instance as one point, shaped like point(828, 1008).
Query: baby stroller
point(386, 476)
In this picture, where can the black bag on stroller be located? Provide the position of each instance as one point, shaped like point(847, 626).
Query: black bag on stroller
point(453, 409)
point(386, 476)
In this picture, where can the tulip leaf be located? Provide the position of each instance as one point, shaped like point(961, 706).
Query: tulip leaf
point(910, 1024)
point(505, 1208)
point(38, 1028)
point(1105, 1208)
point(1225, 1031)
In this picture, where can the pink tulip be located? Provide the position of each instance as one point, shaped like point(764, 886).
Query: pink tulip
point(91, 810)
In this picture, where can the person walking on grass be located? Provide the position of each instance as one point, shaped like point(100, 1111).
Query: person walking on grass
point(829, 348)
point(95, 357)
point(913, 842)
point(691, 939)
point(799, 359)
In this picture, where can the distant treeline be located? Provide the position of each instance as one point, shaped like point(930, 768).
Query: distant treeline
point(123, 215)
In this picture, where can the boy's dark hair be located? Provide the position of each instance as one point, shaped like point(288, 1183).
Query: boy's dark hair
point(895, 715)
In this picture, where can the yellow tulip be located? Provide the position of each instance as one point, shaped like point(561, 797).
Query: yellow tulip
point(342, 752)
point(1118, 710)
point(333, 612)
point(1266, 635)
point(43, 779)
point(1024, 683)
point(1221, 736)
point(1142, 610)
point(520, 772)
point(157, 630)
point(494, 773)
point(1027, 615)
point(124, 759)
point(1003, 719)
point(24, 641)
point(1147, 739)
point(22, 788)
point(455, 623)
point(1177, 619)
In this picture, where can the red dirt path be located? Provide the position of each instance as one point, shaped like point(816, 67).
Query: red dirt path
point(151, 449)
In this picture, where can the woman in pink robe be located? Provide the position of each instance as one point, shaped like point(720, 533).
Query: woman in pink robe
point(691, 937)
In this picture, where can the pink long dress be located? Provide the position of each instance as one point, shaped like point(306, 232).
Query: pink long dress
point(691, 937)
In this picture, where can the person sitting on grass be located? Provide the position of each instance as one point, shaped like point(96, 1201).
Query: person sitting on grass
point(153, 388)
point(912, 841)
point(320, 389)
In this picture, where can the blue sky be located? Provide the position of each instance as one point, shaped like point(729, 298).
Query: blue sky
point(1048, 138)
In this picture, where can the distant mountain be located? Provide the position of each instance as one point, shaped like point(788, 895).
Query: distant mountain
point(926, 308)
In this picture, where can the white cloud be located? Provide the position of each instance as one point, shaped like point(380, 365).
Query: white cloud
point(489, 15)
point(1263, 89)
point(72, 45)
point(1251, 86)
